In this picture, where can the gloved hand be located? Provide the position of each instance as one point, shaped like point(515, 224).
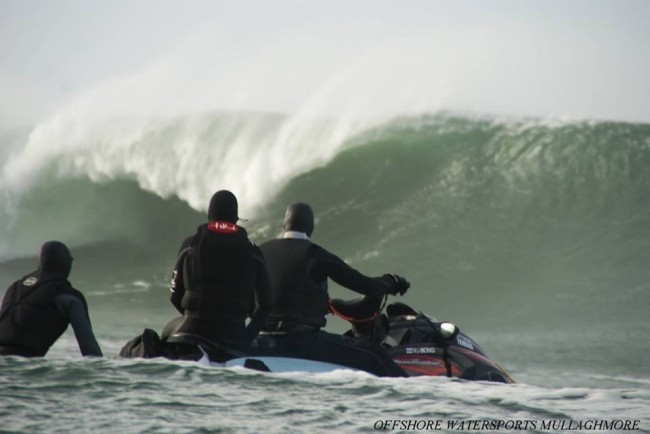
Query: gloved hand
point(400, 285)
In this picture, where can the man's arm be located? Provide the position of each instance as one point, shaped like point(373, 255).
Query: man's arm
point(177, 287)
point(262, 298)
point(75, 310)
point(330, 265)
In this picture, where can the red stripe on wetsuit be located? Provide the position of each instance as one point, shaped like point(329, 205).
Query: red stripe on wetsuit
point(223, 227)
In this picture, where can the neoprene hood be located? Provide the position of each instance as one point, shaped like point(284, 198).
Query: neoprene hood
point(299, 217)
point(55, 258)
point(223, 207)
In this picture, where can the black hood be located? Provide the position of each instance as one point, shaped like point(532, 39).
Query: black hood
point(223, 207)
point(299, 217)
point(55, 258)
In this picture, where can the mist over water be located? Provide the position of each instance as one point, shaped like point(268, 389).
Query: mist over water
point(577, 60)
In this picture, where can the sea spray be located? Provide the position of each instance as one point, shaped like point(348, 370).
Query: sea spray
point(188, 157)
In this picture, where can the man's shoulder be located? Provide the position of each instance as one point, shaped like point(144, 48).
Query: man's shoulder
point(70, 296)
point(187, 242)
point(289, 243)
point(66, 289)
point(46, 279)
point(270, 242)
point(29, 279)
point(323, 256)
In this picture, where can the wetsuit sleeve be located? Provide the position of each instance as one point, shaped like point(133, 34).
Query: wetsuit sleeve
point(329, 265)
point(75, 310)
point(177, 287)
point(7, 299)
point(262, 306)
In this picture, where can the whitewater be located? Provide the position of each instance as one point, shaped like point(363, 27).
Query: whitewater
point(481, 165)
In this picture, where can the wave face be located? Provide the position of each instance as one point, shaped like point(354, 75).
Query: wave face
point(506, 219)
point(499, 224)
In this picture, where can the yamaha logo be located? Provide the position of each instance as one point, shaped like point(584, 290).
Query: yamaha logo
point(464, 343)
point(30, 281)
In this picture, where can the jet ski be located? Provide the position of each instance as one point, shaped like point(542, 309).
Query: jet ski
point(418, 343)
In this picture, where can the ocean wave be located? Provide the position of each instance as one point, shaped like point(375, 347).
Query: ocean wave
point(520, 217)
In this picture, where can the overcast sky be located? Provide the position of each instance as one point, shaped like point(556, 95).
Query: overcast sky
point(558, 58)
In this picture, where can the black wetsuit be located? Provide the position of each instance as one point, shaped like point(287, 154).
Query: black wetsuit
point(35, 312)
point(220, 279)
point(299, 271)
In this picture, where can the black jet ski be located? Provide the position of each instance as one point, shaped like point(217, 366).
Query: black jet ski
point(190, 347)
point(418, 343)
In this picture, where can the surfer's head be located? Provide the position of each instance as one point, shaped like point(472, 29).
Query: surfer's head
point(223, 207)
point(299, 217)
point(55, 258)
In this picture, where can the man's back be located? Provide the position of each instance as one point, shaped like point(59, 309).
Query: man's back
point(296, 297)
point(37, 309)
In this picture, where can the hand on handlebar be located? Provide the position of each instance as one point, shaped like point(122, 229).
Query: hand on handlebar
point(400, 285)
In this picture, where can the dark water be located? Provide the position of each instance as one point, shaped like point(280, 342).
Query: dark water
point(533, 237)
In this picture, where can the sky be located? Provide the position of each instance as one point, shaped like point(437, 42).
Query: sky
point(548, 58)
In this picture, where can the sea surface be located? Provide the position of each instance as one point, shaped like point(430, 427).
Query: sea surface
point(533, 236)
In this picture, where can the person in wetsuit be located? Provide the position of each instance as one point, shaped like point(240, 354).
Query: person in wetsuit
point(220, 279)
point(37, 308)
point(299, 271)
